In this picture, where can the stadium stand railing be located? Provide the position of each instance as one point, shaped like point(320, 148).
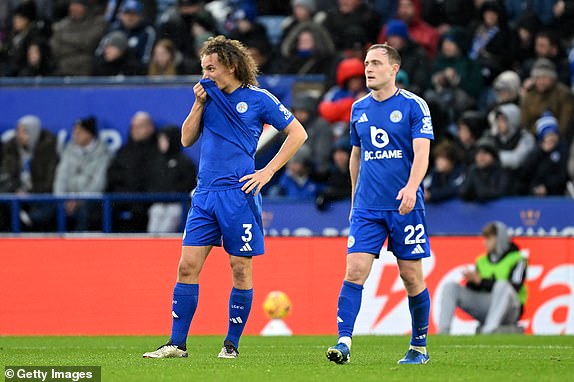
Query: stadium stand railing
point(15, 203)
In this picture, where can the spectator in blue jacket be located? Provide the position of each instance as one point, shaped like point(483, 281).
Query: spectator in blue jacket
point(296, 183)
point(140, 33)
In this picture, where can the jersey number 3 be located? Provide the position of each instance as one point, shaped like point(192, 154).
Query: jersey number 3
point(248, 235)
point(410, 230)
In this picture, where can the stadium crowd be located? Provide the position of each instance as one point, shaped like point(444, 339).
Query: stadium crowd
point(497, 75)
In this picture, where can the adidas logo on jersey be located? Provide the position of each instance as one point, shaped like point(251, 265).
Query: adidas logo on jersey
point(246, 248)
point(418, 249)
point(363, 118)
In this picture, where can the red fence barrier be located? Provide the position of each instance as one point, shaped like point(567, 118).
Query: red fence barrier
point(120, 286)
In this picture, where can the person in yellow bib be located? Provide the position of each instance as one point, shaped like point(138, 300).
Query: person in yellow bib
point(495, 292)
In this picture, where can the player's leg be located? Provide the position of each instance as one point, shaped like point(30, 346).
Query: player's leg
point(410, 243)
point(504, 307)
point(240, 300)
point(239, 216)
point(184, 302)
point(366, 237)
point(419, 307)
point(358, 269)
point(200, 235)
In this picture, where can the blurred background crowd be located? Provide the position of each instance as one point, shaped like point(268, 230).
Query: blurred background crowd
point(498, 77)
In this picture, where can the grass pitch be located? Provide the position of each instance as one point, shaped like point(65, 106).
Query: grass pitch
point(302, 358)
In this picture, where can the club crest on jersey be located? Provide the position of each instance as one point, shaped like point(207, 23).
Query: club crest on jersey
point(350, 241)
point(241, 107)
point(396, 116)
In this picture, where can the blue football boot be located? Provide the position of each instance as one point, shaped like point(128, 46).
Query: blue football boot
point(413, 357)
point(339, 353)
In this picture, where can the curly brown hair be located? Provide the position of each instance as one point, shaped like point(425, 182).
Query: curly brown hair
point(232, 54)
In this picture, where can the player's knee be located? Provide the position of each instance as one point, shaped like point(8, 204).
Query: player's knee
point(356, 275)
point(409, 277)
point(241, 271)
point(186, 269)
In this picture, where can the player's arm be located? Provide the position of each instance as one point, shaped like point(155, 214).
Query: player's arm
point(354, 165)
point(191, 127)
point(296, 136)
point(408, 194)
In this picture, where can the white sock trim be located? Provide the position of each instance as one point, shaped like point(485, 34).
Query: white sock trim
point(346, 340)
point(420, 349)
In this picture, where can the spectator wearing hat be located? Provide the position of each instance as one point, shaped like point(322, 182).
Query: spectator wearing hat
point(422, 33)
point(320, 134)
point(184, 24)
point(490, 40)
point(75, 39)
point(456, 82)
point(82, 170)
point(414, 58)
point(505, 89)
point(29, 162)
point(446, 174)
point(151, 9)
point(337, 182)
point(140, 33)
point(336, 104)
point(522, 36)
point(514, 143)
point(307, 49)
point(351, 14)
point(485, 179)
point(116, 58)
point(545, 171)
point(296, 183)
point(544, 93)
point(547, 45)
point(302, 11)
point(13, 52)
point(470, 128)
point(242, 25)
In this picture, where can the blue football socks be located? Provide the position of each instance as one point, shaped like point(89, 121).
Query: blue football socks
point(239, 307)
point(183, 308)
point(348, 308)
point(419, 307)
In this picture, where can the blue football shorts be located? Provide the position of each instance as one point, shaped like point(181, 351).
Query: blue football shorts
point(231, 215)
point(408, 237)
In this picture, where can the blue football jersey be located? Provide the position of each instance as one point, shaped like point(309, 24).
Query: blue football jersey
point(230, 135)
point(384, 131)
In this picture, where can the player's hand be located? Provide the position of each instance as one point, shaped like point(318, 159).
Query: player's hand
point(471, 276)
point(256, 181)
point(200, 93)
point(408, 198)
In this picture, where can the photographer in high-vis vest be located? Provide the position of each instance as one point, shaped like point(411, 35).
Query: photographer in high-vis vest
point(495, 292)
